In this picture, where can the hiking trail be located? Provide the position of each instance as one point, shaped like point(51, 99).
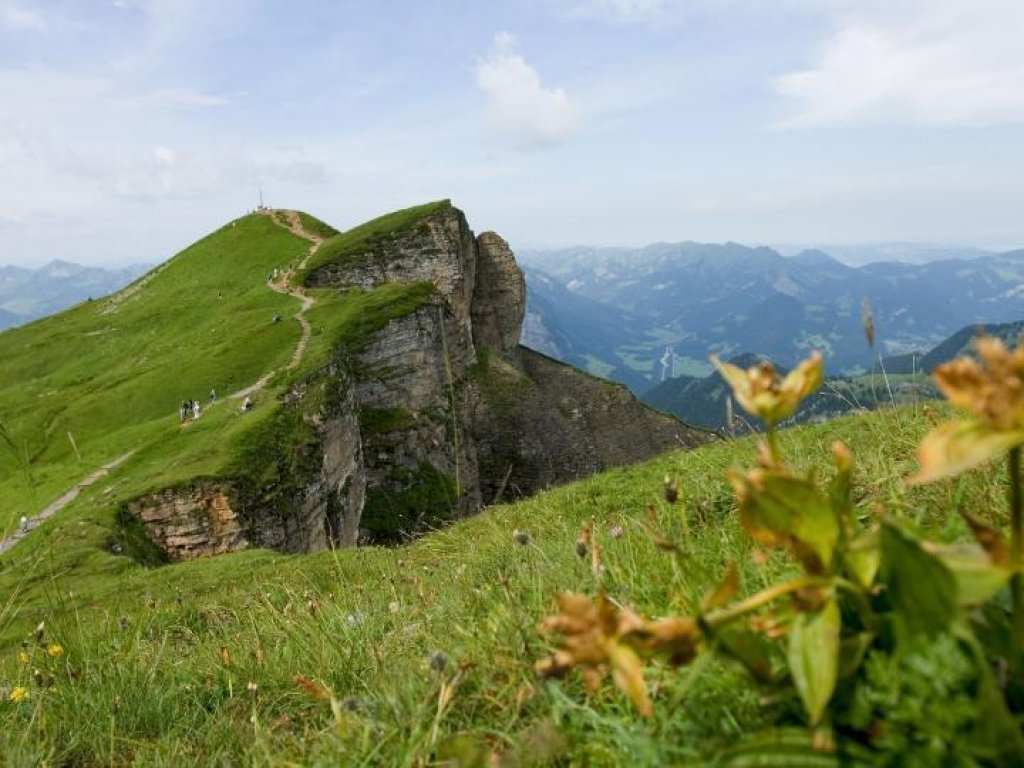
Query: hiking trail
point(289, 220)
point(56, 506)
point(283, 218)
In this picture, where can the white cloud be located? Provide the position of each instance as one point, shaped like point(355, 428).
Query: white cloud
point(916, 62)
point(16, 17)
point(519, 107)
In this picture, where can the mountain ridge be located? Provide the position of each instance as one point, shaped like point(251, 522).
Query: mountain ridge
point(392, 399)
point(688, 300)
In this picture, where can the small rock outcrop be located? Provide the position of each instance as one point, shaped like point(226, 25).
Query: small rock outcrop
point(198, 522)
point(429, 417)
point(499, 302)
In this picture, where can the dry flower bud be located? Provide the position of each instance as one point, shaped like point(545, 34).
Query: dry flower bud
point(671, 490)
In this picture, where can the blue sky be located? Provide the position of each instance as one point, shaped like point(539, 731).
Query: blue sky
point(129, 128)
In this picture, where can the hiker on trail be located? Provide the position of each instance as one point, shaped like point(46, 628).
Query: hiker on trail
point(247, 404)
point(24, 524)
point(213, 396)
point(184, 410)
point(195, 409)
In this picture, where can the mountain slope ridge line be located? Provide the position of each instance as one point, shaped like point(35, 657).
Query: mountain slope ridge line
point(283, 285)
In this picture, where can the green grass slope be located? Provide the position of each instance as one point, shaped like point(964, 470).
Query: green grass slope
point(111, 373)
point(367, 239)
point(426, 650)
point(90, 384)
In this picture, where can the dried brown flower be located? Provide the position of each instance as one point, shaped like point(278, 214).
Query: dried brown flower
point(992, 390)
point(599, 636)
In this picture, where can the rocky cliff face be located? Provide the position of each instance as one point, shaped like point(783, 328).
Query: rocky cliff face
point(433, 415)
point(539, 423)
point(303, 506)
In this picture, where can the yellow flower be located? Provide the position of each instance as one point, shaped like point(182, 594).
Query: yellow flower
point(992, 391)
point(763, 394)
point(54, 650)
point(23, 657)
point(19, 693)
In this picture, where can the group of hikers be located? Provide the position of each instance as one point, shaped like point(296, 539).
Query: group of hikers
point(191, 409)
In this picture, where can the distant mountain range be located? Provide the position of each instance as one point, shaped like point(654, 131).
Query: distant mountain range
point(908, 253)
point(701, 401)
point(642, 315)
point(27, 294)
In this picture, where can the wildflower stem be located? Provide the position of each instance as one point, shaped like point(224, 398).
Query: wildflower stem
point(773, 443)
point(1016, 507)
point(1016, 542)
point(754, 602)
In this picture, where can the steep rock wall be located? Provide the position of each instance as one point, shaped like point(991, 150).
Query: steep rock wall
point(541, 423)
point(420, 464)
point(499, 302)
point(424, 420)
point(440, 250)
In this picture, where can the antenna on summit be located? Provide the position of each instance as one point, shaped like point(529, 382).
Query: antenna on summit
point(262, 206)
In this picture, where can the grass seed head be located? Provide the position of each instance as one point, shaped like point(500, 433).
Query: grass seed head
point(671, 490)
point(867, 320)
point(439, 661)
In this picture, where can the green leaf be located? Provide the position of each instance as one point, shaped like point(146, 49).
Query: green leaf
point(851, 653)
point(957, 446)
point(792, 507)
point(997, 731)
point(814, 657)
point(923, 591)
point(751, 649)
point(977, 579)
point(862, 558)
point(792, 748)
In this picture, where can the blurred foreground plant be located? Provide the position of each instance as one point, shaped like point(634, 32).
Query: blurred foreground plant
point(863, 593)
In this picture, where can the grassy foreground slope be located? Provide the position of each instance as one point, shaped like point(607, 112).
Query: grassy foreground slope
point(407, 656)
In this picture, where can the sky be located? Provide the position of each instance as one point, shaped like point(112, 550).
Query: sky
point(131, 128)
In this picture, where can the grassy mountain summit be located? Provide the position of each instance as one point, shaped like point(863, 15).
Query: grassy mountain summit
point(110, 374)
